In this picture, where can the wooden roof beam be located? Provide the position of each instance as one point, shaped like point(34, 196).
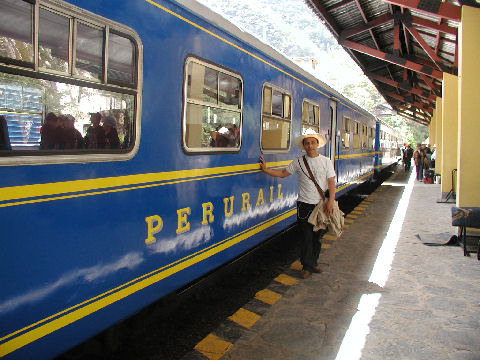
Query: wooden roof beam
point(426, 107)
point(396, 37)
point(397, 60)
point(430, 52)
point(368, 26)
point(436, 89)
point(411, 118)
point(384, 19)
point(431, 7)
point(434, 26)
point(423, 32)
point(403, 86)
point(416, 112)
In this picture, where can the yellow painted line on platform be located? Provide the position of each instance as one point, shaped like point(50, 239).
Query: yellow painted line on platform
point(213, 347)
point(325, 246)
point(244, 318)
point(362, 207)
point(350, 216)
point(345, 226)
point(330, 237)
point(347, 220)
point(285, 280)
point(296, 265)
point(268, 296)
point(359, 212)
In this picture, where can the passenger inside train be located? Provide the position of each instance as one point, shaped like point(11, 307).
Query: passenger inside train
point(4, 136)
point(71, 137)
point(50, 132)
point(225, 136)
point(111, 135)
point(95, 136)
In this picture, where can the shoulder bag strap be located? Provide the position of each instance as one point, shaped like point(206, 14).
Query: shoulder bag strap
point(322, 195)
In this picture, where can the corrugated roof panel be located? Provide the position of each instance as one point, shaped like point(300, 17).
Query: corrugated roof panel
point(348, 16)
point(423, 15)
point(388, 26)
point(361, 37)
point(374, 9)
point(429, 37)
point(329, 3)
point(385, 38)
point(449, 37)
point(451, 23)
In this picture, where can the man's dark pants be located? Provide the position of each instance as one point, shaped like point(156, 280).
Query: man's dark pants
point(310, 242)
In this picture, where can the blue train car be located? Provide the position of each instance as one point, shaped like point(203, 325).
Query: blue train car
point(388, 147)
point(167, 187)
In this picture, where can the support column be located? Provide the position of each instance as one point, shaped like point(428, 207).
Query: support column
point(449, 132)
point(468, 192)
point(438, 132)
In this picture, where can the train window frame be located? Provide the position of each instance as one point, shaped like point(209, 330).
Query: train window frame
point(356, 134)
point(346, 132)
point(315, 108)
point(128, 96)
point(25, 63)
point(371, 138)
point(285, 118)
point(364, 136)
point(75, 70)
point(237, 140)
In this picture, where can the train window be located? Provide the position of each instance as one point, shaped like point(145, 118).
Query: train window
point(16, 24)
point(346, 132)
point(276, 119)
point(229, 91)
point(53, 41)
point(121, 60)
point(89, 52)
point(57, 100)
point(310, 117)
point(213, 109)
point(356, 134)
point(371, 138)
point(364, 136)
point(277, 103)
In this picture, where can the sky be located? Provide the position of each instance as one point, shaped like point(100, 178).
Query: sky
point(291, 27)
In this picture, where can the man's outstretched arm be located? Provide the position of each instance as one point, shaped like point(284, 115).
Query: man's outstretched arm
point(272, 172)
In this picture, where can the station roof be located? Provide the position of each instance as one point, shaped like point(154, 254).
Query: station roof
point(403, 46)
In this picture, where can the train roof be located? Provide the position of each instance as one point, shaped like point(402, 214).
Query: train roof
point(219, 21)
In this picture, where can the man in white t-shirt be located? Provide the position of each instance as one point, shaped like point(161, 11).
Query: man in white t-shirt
point(308, 195)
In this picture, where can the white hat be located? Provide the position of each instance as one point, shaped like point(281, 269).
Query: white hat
point(309, 133)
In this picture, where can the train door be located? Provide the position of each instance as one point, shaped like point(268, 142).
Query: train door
point(333, 134)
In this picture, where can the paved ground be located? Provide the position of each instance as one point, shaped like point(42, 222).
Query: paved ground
point(422, 302)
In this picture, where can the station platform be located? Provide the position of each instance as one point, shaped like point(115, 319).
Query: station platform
point(383, 293)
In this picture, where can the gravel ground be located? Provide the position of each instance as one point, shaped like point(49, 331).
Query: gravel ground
point(167, 331)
